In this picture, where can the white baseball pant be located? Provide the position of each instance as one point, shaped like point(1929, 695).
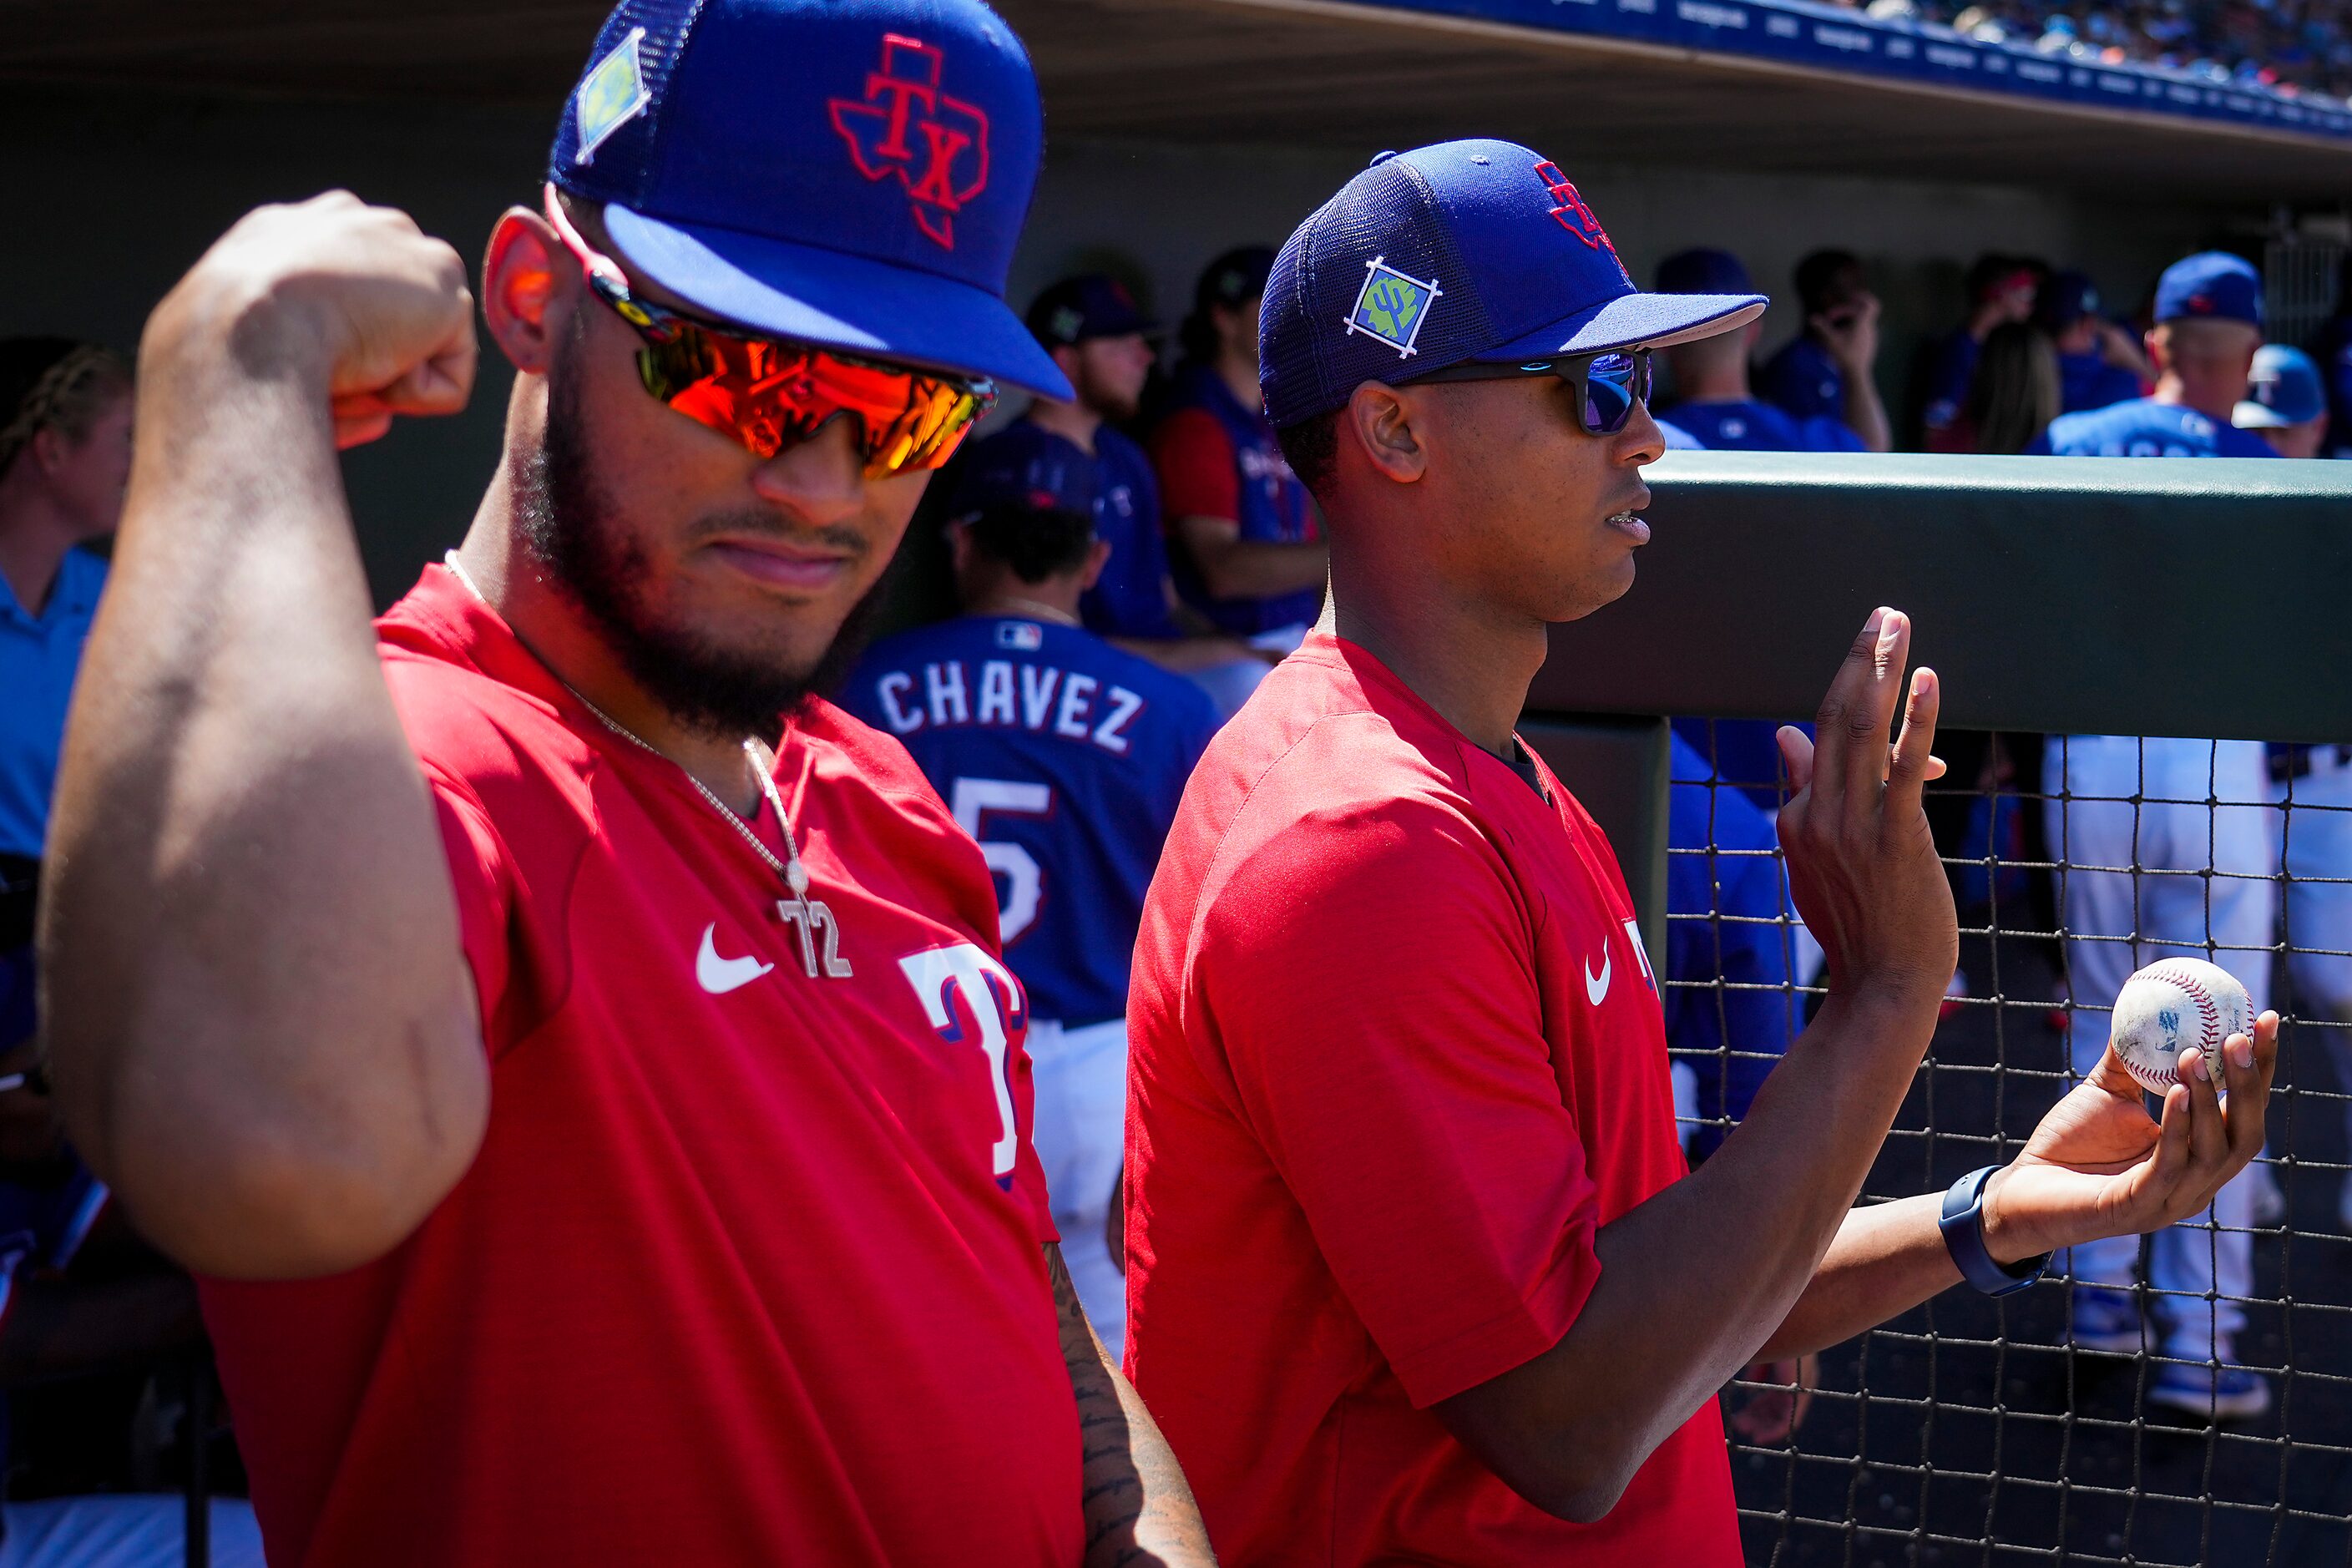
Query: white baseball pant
point(1081, 1131)
point(2137, 810)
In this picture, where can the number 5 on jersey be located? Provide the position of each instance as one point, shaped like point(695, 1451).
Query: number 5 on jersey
point(972, 799)
point(994, 1000)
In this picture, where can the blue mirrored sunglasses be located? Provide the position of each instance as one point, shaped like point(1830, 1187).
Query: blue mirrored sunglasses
point(1607, 385)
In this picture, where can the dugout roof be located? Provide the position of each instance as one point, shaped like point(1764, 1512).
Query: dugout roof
point(1742, 84)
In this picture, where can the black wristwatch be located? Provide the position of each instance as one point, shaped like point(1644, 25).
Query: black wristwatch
point(1963, 1227)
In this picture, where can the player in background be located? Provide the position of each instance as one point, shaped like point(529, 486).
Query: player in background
point(578, 1058)
point(1249, 551)
point(1827, 370)
point(1712, 399)
point(1999, 288)
point(2285, 402)
point(2198, 880)
point(1065, 757)
point(1415, 1273)
point(2099, 363)
point(1101, 341)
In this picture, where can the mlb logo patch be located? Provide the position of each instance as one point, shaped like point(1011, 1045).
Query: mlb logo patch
point(1391, 307)
point(1020, 637)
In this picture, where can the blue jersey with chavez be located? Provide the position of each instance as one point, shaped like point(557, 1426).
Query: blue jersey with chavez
point(1065, 757)
point(2147, 428)
point(1751, 426)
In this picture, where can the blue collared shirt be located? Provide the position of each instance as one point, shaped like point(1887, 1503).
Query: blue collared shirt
point(38, 657)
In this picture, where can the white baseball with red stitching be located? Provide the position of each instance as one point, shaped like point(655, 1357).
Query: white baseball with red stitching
point(2170, 1005)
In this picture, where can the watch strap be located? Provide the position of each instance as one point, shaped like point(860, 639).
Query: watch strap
point(1963, 1226)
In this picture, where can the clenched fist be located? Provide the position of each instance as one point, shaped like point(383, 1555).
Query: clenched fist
point(355, 297)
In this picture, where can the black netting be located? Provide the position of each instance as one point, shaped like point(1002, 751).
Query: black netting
point(2056, 1425)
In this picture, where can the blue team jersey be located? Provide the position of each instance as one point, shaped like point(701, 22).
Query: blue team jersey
point(1065, 757)
point(1803, 382)
point(2086, 382)
point(1952, 367)
point(1131, 599)
point(2147, 428)
point(1733, 1033)
point(1753, 426)
point(40, 655)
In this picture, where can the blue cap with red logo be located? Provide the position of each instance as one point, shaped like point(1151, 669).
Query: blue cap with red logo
point(2214, 284)
point(1465, 250)
point(851, 174)
point(2282, 389)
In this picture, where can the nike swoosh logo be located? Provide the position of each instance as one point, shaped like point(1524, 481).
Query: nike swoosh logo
point(719, 975)
point(1596, 986)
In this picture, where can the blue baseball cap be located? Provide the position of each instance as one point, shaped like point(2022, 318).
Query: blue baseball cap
point(1041, 476)
point(2066, 298)
point(1466, 250)
point(2284, 389)
point(1091, 305)
point(2213, 284)
point(852, 173)
point(1704, 271)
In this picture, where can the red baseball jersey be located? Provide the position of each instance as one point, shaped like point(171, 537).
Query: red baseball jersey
point(1397, 1056)
point(750, 1268)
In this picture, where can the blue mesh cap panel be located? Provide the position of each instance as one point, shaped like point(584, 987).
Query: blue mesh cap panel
point(623, 164)
point(1311, 362)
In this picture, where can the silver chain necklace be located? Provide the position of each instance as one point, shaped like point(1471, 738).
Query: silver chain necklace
point(811, 919)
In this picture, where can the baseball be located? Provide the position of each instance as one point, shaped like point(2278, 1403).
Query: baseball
point(2170, 1005)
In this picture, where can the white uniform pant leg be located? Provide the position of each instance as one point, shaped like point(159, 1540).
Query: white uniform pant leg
point(124, 1532)
point(2317, 830)
point(2203, 1266)
point(1081, 1129)
point(2098, 826)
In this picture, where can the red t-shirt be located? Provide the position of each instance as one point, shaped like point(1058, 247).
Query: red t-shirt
point(1397, 1056)
point(1199, 476)
point(749, 1268)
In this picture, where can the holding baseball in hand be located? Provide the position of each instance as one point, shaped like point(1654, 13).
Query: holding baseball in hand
point(2170, 1006)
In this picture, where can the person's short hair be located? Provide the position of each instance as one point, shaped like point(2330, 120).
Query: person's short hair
point(1036, 543)
point(1827, 279)
point(1311, 448)
point(1988, 273)
point(56, 384)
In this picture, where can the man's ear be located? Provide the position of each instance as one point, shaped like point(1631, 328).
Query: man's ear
point(1097, 557)
point(1379, 422)
point(529, 280)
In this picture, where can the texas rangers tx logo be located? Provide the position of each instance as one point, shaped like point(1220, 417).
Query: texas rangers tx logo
point(1392, 306)
point(936, 145)
point(1571, 214)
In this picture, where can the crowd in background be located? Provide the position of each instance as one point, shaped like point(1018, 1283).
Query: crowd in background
point(2292, 46)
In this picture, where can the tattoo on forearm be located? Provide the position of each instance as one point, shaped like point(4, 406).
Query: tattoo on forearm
point(1138, 1510)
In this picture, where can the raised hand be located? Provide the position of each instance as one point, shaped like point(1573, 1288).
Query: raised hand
point(2099, 1165)
point(1852, 335)
point(355, 298)
point(1861, 862)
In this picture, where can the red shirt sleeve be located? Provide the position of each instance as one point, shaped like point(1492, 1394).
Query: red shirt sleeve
point(1198, 476)
point(1369, 976)
point(480, 876)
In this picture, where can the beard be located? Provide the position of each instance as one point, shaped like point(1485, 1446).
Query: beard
point(571, 528)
